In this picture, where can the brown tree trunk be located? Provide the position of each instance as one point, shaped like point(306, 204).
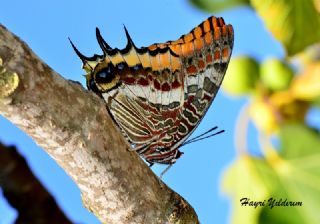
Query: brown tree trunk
point(25, 193)
point(74, 128)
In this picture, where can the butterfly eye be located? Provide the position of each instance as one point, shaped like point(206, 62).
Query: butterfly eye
point(179, 154)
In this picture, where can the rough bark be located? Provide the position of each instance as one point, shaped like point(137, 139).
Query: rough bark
point(20, 187)
point(73, 126)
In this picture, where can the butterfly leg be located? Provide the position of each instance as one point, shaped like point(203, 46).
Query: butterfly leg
point(164, 171)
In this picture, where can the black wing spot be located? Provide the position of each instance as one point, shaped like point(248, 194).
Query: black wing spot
point(106, 75)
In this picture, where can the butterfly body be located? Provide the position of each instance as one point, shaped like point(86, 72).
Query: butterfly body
point(158, 95)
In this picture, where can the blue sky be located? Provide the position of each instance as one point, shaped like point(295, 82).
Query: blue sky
point(46, 26)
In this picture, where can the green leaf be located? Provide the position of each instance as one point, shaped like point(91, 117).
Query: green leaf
point(243, 180)
point(217, 5)
point(293, 176)
point(298, 140)
point(316, 102)
point(242, 76)
point(296, 177)
point(294, 23)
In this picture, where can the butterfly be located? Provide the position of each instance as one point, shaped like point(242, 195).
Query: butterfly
point(157, 95)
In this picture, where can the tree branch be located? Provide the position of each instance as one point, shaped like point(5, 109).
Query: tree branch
point(74, 128)
point(21, 187)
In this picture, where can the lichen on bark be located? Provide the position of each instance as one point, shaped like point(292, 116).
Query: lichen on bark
point(9, 81)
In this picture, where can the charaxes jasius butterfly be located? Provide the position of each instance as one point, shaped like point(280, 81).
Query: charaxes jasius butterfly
point(158, 94)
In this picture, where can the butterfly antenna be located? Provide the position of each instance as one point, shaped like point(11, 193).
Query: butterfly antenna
point(210, 130)
point(198, 139)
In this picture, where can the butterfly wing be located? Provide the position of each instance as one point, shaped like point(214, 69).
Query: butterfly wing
point(158, 94)
point(205, 59)
point(204, 54)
